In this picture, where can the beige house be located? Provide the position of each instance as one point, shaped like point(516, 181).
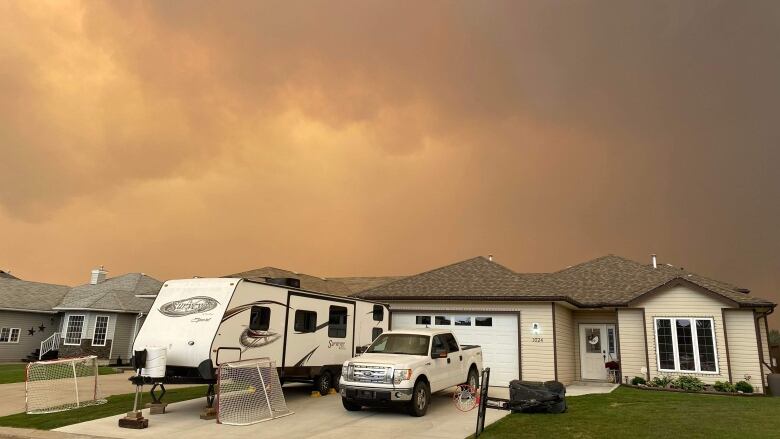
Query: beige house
point(646, 319)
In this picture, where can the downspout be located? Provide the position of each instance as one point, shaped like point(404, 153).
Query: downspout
point(135, 333)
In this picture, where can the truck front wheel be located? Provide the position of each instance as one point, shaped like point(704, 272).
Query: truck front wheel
point(350, 406)
point(421, 398)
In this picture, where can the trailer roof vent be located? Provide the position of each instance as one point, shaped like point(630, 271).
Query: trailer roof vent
point(284, 281)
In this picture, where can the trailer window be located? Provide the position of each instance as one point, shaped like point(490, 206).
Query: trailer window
point(260, 318)
point(337, 322)
point(305, 321)
point(379, 313)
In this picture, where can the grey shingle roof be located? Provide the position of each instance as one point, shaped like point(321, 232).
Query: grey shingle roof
point(308, 282)
point(32, 296)
point(607, 281)
point(358, 284)
point(473, 278)
point(6, 275)
point(115, 294)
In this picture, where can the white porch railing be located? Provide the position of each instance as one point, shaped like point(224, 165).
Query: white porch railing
point(50, 344)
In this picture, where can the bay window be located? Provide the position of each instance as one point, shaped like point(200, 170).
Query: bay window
point(686, 344)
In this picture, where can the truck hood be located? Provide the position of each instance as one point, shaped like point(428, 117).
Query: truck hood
point(388, 359)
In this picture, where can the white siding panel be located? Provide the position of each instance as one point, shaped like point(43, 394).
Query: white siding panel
point(631, 338)
point(564, 344)
point(537, 349)
point(743, 345)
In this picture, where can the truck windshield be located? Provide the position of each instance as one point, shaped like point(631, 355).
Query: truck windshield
point(408, 344)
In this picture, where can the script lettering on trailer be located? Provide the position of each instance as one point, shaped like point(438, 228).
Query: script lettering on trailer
point(188, 306)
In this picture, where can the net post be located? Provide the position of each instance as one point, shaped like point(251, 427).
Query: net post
point(75, 382)
point(95, 389)
point(265, 390)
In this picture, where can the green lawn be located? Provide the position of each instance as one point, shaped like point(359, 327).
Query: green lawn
point(14, 373)
point(116, 405)
point(632, 413)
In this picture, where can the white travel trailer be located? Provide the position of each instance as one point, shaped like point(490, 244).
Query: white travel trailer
point(206, 322)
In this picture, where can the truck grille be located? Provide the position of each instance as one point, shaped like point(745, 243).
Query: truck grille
point(372, 374)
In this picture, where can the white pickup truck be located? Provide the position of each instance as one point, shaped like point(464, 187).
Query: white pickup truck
point(406, 367)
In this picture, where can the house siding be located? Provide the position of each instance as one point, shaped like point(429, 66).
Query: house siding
point(632, 343)
point(537, 352)
point(743, 345)
point(123, 336)
point(565, 341)
point(764, 348)
point(15, 352)
point(586, 316)
point(683, 301)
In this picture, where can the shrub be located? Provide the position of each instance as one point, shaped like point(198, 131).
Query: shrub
point(636, 381)
point(744, 387)
point(660, 381)
point(688, 383)
point(724, 386)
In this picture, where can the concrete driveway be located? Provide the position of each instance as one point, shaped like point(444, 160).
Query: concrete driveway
point(322, 417)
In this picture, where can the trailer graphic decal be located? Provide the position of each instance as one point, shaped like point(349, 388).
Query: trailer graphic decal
point(190, 305)
point(306, 358)
point(232, 312)
point(254, 339)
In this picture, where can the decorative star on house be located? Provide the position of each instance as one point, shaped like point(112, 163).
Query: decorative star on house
point(31, 331)
point(41, 328)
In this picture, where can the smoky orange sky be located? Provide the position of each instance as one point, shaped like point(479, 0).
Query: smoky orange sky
point(383, 138)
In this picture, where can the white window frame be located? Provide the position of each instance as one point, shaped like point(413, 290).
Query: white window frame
point(676, 351)
point(11, 335)
point(94, 330)
point(67, 325)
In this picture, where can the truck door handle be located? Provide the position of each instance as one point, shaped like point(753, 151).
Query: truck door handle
point(461, 358)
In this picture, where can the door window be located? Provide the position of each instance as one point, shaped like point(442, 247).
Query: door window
point(593, 340)
point(305, 321)
point(462, 320)
point(452, 345)
point(438, 344)
point(337, 322)
point(422, 320)
point(443, 321)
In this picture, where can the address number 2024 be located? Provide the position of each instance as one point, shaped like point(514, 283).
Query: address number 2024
point(537, 340)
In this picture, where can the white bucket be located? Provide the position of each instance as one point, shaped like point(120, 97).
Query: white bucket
point(156, 358)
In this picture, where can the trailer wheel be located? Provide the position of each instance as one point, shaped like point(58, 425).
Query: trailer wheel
point(323, 383)
point(421, 399)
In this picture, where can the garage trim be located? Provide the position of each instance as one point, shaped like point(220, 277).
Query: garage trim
point(519, 328)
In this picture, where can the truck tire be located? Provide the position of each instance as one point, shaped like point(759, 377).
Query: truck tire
point(421, 399)
point(472, 379)
point(323, 383)
point(350, 406)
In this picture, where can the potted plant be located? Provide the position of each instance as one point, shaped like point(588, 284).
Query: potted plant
point(613, 370)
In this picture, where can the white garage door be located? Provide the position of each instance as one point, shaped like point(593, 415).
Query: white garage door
point(496, 333)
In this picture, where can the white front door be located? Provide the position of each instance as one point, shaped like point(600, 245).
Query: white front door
point(598, 345)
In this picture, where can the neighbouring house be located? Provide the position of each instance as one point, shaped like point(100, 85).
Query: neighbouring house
point(99, 318)
point(26, 316)
point(649, 319)
point(103, 316)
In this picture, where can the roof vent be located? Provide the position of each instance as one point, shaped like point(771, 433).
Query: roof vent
point(284, 281)
point(655, 260)
point(490, 258)
point(98, 275)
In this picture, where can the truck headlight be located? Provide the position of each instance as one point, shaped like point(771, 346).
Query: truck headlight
point(401, 375)
point(347, 372)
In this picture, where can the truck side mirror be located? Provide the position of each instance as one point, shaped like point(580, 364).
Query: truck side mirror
point(439, 353)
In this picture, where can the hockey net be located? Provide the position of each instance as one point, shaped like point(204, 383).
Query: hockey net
point(249, 392)
point(59, 385)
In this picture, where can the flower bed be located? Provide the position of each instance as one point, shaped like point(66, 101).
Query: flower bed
point(691, 384)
